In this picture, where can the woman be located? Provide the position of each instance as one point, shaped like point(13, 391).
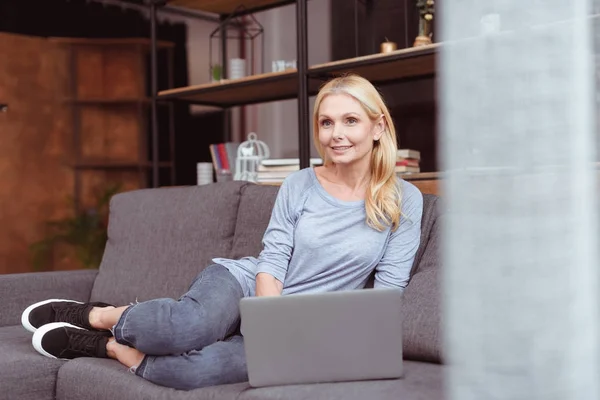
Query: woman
point(330, 228)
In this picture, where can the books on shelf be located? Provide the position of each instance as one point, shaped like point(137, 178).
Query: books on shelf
point(275, 170)
point(279, 162)
point(223, 156)
point(409, 153)
point(407, 161)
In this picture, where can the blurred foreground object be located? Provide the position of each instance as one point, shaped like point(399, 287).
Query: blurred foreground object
point(518, 141)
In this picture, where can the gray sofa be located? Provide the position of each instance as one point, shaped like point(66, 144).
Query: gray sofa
point(159, 240)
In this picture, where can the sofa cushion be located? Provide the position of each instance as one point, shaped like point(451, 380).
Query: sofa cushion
point(422, 311)
point(102, 379)
point(422, 381)
point(24, 374)
point(431, 211)
point(160, 239)
point(254, 214)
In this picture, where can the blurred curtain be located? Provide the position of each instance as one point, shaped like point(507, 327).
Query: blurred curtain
point(518, 137)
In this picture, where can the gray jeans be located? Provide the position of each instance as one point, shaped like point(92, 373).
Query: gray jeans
point(192, 342)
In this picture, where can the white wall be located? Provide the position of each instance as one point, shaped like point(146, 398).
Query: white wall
point(276, 123)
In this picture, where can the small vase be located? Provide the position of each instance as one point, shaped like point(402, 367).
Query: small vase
point(422, 41)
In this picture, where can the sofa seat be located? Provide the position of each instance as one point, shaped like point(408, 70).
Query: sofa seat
point(94, 379)
point(23, 372)
point(422, 381)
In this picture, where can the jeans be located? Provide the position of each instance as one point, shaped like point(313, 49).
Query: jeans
point(192, 342)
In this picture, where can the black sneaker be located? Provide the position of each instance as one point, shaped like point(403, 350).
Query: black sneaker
point(65, 341)
point(58, 310)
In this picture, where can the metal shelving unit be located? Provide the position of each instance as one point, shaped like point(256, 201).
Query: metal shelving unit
point(397, 66)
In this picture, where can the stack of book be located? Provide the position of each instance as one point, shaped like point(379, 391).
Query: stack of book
point(277, 169)
point(407, 161)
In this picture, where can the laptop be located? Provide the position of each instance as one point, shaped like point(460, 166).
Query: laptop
point(325, 337)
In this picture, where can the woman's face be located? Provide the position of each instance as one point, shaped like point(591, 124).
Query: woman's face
point(346, 133)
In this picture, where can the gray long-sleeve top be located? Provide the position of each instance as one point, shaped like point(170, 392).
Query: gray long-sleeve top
point(317, 243)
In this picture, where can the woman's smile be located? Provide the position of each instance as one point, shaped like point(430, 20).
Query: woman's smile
point(340, 149)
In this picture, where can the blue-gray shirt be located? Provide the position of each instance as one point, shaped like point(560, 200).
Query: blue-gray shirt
point(317, 243)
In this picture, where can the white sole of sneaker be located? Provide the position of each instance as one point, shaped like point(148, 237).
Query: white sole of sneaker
point(36, 340)
point(25, 316)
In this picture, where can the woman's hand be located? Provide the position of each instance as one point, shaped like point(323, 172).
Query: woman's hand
point(267, 285)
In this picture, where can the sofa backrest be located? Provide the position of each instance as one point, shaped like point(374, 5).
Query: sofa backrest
point(422, 334)
point(160, 239)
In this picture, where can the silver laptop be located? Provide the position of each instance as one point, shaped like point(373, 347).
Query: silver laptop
point(328, 337)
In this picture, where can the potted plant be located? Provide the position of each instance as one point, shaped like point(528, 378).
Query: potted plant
point(84, 233)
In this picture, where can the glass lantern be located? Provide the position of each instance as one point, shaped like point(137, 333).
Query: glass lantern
point(249, 156)
point(237, 34)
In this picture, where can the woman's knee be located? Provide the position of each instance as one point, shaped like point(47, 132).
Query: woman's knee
point(211, 270)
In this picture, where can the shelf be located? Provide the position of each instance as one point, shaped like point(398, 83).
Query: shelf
point(111, 42)
point(229, 6)
point(102, 101)
point(415, 176)
point(262, 88)
point(399, 65)
point(99, 101)
point(99, 164)
point(403, 64)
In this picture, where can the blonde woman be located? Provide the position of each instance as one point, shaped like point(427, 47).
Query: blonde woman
point(330, 228)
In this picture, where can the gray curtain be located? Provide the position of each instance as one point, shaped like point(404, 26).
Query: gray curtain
point(519, 142)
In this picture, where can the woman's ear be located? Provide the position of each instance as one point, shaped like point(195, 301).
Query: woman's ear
point(379, 127)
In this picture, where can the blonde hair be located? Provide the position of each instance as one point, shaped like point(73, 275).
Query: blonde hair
point(383, 195)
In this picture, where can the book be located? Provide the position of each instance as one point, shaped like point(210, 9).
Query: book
point(405, 169)
point(408, 153)
point(273, 162)
point(407, 162)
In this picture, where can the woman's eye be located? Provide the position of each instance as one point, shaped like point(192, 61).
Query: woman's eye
point(352, 121)
point(326, 123)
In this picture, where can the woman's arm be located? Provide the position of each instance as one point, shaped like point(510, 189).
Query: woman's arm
point(278, 243)
point(393, 270)
point(267, 285)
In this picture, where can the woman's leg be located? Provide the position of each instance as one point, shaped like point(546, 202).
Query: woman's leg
point(207, 313)
point(220, 363)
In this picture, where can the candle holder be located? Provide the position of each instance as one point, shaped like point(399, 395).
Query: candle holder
point(426, 11)
point(388, 47)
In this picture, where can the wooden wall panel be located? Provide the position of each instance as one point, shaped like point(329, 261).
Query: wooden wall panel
point(100, 67)
point(90, 76)
point(36, 136)
point(110, 133)
point(34, 133)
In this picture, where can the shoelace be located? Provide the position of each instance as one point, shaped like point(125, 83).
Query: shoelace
point(72, 313)
point(84, 342)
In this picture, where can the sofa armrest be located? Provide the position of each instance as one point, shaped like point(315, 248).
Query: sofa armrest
point(18, 291)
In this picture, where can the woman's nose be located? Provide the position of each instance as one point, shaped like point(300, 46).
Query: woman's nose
point(338, 132)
